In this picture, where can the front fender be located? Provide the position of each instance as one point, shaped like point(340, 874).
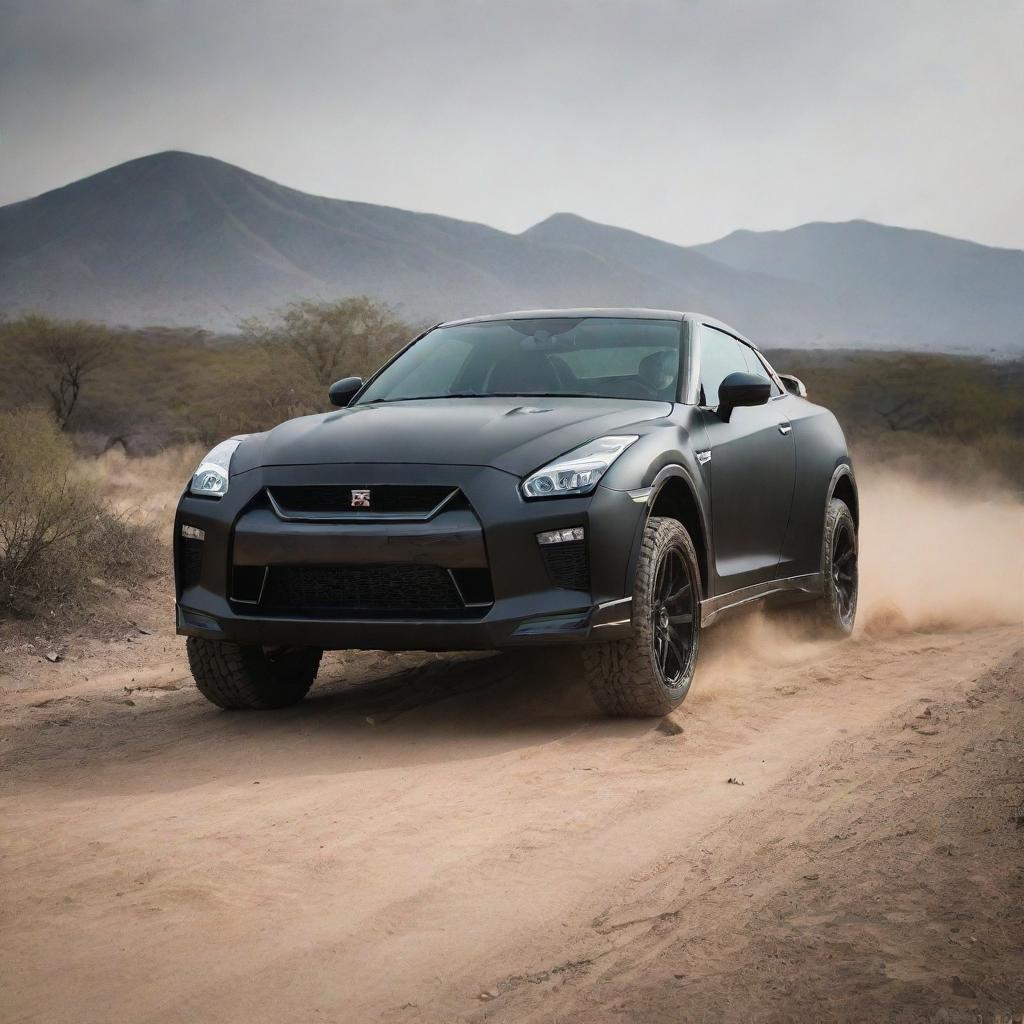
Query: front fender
point(663, 455)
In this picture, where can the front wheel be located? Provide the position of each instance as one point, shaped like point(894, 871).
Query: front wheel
point(235, 676)
point(650, 673)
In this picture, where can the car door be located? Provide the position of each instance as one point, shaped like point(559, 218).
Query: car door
point(752, 466)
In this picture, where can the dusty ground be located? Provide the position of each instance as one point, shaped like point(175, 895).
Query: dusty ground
point(463, 838)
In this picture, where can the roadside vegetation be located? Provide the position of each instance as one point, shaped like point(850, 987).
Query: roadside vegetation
point(958, 419)
point(99, 427)
point(145, 390)
point(60, 536)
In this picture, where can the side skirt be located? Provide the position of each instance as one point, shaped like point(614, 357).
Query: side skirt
point(711, 608)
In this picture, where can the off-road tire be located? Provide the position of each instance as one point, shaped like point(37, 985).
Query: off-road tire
point(233, 676)
point(827, 616)
point(623, 675)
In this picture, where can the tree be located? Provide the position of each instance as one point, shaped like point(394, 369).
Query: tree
point(67, 354)
point(333, 339)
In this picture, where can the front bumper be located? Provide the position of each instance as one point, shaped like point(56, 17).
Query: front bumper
point(497, 531)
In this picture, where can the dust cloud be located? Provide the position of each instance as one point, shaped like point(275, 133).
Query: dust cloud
point(934, 558)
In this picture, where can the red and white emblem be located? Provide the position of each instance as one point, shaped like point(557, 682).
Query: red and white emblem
point(360, 499)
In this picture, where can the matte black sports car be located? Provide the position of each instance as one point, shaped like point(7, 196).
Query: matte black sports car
point(613, 478)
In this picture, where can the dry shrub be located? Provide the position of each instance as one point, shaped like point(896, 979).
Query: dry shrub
point(58, 533)
point(147, 486)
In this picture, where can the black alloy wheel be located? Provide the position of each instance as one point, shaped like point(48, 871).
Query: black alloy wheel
point(844, 570)
point(672, 618)
point(649, 673)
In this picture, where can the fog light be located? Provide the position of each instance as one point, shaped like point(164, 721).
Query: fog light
point(192, 532)
point(560, 536)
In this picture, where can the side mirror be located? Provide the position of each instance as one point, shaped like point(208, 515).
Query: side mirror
point(794, 385)
point(740, 389)
point(341, 392)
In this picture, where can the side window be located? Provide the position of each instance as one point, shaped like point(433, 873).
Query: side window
point(758, 365)
point(720, 355)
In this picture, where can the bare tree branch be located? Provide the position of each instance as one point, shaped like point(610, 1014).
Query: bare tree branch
point(333, 339)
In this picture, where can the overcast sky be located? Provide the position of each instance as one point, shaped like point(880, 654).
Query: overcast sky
point(681, 119)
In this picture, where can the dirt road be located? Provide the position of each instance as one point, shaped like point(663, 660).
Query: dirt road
point(460, 839)
point(465, 839)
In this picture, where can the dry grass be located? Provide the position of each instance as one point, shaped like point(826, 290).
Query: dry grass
point(146, 488)
point(61, 536)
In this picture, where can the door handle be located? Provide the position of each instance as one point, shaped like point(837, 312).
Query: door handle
point(785, 428)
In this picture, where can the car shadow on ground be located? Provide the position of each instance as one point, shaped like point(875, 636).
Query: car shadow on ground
point(366, 711)
point(453, 706)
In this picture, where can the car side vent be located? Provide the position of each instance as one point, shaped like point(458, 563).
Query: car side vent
point(567, 564)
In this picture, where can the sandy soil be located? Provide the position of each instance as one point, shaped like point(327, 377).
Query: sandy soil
point(463, 838)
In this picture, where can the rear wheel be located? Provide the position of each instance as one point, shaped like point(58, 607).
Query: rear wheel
point(240, 676)
point(836, 609)
point(650, 673)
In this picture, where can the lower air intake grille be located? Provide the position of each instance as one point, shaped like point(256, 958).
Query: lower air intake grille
point(567, 564)
point(383, 591)
point(190, 561)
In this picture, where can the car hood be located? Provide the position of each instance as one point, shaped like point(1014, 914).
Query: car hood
point(513, 434)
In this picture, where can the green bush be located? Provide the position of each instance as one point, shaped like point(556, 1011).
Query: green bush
point(57, 532)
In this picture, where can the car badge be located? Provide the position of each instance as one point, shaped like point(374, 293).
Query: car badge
point(360, 499)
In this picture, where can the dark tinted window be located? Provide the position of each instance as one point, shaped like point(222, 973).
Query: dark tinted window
point(720, 355)
point(599, 357)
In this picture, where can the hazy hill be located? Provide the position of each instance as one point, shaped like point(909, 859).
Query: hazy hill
point(770, 308)
point(897, 284)
point(179, 239)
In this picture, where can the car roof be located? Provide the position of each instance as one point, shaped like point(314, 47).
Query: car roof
point(618, 313)
point(550, 314)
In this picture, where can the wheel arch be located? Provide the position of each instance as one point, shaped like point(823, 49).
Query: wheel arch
point(843, 485)
point(674, 496)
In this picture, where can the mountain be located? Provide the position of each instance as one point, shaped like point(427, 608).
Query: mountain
point(896, 284)
point(181, 240)
point(772, 308)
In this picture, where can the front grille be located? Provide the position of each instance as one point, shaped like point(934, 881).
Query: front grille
point(567, 564)
point(384, 499)
point(382, 591)
point(190, 561)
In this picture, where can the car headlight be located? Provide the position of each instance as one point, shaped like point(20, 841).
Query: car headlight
point(578, 471)
point(210, 480)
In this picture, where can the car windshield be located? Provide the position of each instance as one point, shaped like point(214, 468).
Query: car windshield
point(592, 357)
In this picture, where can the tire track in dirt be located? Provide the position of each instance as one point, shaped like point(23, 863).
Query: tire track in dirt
point(487, 833)
point(866, 888)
